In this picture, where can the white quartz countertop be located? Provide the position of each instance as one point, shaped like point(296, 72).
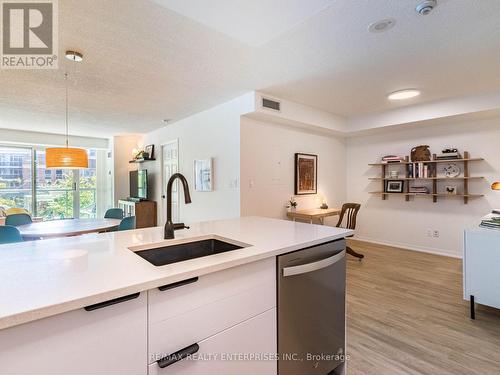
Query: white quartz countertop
point(44, 278)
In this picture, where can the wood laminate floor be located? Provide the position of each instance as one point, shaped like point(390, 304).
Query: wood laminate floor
point(406, 315)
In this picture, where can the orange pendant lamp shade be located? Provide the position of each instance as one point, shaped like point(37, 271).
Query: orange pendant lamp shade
point(66, 158)
point(495, 186)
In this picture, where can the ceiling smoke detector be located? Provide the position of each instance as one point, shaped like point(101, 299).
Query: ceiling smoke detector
point(74, 56)
point(426, 7)
point(382, 25)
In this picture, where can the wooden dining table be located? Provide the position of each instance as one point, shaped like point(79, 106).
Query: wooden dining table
point(66, 228)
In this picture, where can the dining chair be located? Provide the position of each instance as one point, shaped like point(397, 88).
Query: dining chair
point(127, 224)
point(16, 210)
point(350, 210)
point(18, 219)
point(9, 234)
point(114, 213)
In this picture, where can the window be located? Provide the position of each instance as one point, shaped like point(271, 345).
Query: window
point(51, 194)
point(15, 177)
point(66, 193)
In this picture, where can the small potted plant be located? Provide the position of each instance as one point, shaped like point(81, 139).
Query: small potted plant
point(292, 204)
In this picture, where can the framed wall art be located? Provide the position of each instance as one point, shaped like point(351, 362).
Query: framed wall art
point(306, 174)
point(203, 175)
point(394, 186)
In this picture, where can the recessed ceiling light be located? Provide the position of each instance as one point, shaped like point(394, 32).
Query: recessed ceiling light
point(382, 25)
point(74, 56)
point(403, 94)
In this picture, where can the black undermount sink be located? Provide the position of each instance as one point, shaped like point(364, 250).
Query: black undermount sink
point(184, 251)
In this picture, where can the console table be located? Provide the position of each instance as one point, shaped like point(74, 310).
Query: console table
point(313, 214)
point(481, 265)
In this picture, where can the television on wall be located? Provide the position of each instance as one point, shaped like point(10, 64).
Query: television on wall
point(139, 185)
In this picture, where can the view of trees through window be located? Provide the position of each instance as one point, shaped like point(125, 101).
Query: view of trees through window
point(15, 177)
point(55, 193)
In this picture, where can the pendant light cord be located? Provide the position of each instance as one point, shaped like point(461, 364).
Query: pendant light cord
point(67, 125)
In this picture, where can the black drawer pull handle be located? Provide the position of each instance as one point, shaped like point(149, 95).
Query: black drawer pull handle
point(178, 356)
point(111, 302)
point(178, 284)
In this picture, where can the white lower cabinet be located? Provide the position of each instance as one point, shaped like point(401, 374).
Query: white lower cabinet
point(223, 314)
point(195, 311)
point(227, 352)
point(110, 340)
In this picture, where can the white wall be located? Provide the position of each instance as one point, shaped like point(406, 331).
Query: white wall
point(122, 154)
point(213, 133)
point(299, 115)
point(267, 168)
point(395, 221)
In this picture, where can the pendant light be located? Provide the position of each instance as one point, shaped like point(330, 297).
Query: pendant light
point(66, 157)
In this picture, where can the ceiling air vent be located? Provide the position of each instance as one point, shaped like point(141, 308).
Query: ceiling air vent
point(271, 104)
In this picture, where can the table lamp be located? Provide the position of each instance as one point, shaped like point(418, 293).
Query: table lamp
point(324, 205)
point(496, 186)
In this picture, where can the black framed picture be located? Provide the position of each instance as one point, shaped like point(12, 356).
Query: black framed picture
point(394, 186)
point(306, 174)
point(150, 150)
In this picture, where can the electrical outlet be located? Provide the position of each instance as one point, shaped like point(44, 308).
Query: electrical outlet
point(435, 234)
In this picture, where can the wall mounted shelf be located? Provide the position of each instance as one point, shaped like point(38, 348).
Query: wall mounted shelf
point(426, 179)
point(138, 161)
point(430, 167)
point(429, 195)
point(432, 161)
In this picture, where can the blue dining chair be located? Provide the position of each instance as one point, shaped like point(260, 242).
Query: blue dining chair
point(9, 234)
point(127, 224)
point(18, 219)
point(114, 213)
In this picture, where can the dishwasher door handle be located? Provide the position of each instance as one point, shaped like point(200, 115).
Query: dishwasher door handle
point(315, 266)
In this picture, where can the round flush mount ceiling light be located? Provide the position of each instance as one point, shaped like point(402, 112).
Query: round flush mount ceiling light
point(403, 94)
point(382, 25)
point(74, 56)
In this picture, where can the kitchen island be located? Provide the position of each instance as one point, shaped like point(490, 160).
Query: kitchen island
point(91, 305)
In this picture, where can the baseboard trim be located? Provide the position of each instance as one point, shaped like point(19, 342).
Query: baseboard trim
point(409, 247)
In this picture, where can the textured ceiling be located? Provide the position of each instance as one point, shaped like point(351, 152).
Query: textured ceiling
point(254, 22)
point(145, 62)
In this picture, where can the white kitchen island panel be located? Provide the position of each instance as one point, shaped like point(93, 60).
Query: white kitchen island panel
point(109, 340)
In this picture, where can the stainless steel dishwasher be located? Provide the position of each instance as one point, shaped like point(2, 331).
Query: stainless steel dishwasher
point(311, 310)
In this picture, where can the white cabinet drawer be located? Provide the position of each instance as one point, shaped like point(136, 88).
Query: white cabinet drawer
point(193, 312)
point(109, 340)
point(256, 336)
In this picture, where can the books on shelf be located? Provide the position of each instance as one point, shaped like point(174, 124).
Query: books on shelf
point(419, 190)
point(491, 221)
point(421, 170)
point(449, 156)
point(392, 159)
